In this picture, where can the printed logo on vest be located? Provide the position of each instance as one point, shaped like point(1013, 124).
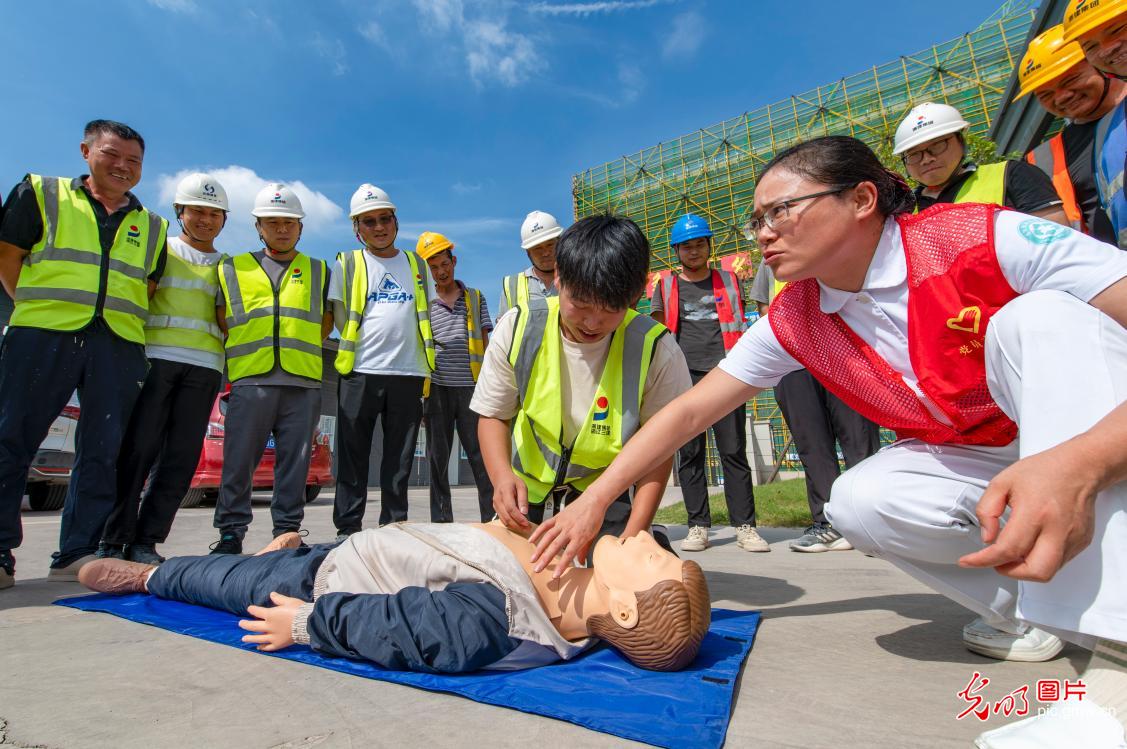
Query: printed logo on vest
point(602, 407)
point(390, 292)
point(296, 276)
point(967, 320)
point(1040, 231)
point(132, 235)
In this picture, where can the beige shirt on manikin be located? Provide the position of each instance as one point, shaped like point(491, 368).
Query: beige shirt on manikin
point(496, 395)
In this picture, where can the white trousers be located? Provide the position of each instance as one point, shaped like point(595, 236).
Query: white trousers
point(1056, 366)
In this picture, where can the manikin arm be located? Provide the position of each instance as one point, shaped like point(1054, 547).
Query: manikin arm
point(459, 629)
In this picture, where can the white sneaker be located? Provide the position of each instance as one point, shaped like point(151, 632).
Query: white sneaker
point(697, 540)
point(1032, 646)
point(69, 574)
point(748, 539)
point(1079, 723)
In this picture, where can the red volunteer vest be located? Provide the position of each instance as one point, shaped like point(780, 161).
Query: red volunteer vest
point(955, 286)
point(726, 292)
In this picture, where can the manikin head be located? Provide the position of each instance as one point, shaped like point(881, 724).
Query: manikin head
point(659, 605)
point(820, 207)
point(601, 265)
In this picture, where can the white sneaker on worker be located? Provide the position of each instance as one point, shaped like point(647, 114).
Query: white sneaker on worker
point(697, 540)
point(748, 539)
point(1079, 723)
point(1031, 646)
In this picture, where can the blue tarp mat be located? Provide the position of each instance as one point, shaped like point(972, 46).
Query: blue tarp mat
point(600, 690)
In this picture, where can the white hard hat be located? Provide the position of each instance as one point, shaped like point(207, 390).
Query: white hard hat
point(538, 227)
point(368, 198)
point(926, 122)
point(277, 200)
point(202, 190)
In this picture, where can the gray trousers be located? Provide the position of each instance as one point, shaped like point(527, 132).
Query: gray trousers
point(254, 412)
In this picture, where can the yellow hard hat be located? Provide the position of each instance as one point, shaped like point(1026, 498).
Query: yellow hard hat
point(1048, 58)
point(1082, 16)
point(431, 243)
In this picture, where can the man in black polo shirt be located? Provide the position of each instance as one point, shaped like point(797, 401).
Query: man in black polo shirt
point(81, 280)
point(460, 321)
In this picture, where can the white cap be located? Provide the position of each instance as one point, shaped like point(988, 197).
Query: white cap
point(925, 122)
point(277, 200)
point(368, 198)
point(538, 227)
point(202, 190)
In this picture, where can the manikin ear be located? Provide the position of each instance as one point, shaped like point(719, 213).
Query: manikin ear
point(624, 608)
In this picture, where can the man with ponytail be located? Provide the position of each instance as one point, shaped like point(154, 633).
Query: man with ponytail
point(993, 343)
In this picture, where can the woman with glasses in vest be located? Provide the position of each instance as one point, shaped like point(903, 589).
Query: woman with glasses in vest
point(993, 343)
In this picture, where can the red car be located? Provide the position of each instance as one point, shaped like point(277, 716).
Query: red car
point(208, 476)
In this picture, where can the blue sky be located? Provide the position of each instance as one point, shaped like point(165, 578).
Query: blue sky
point(470, 113)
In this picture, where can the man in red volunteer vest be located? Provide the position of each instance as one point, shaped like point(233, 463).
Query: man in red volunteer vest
point(994, 344)
point(703, 309)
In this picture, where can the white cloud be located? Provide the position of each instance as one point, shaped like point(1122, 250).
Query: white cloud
point(686, 37)
point(587, 9)
point(333, 51)
point(440, 15)
point(464, 188)
point(459, 229)
point(374, 33)
point(175, 6)
point(322, 215)
point(632, 80)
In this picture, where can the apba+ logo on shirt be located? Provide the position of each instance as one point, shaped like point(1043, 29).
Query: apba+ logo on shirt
point(390, 292)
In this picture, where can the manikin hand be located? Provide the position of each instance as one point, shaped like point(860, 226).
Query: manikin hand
point(1051, 497)
point(568, 533)
point(510, 501)
point(274, 623)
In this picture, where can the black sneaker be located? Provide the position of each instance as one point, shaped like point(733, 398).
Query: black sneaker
point(110, 551)
point(7, 569)
point(343, 535)
point(228, 543)
point(143, 553)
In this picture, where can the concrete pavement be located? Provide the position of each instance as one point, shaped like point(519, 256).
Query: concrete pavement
point(851, 653)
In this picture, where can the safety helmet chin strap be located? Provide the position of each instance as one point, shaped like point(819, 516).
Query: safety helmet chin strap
point(361, 240)
point(184, 229)
point(266, 245)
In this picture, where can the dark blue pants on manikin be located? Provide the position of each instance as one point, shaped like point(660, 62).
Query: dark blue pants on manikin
point(39, 369)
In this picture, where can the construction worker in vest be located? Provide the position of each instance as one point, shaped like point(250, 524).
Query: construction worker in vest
point(567, 381)
point(184, 345)
point(703, 309)
point(1067, 86)
point(272, 307)
point(380, 297)
point(460, 321)
point(538, 236)
point(994, 344)
point(81, 258)
point(931, 141)
point(1100, 27)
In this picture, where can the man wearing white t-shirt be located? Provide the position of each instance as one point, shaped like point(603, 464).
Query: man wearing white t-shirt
point(185, 350)
point(380, 297)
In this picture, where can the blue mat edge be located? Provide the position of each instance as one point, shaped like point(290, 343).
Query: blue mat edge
point(745, 635)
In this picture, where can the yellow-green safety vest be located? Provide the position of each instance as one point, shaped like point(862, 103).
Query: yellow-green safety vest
point(61, 278)
point(986, 184)
point(475, 336)
point(354, 289)
point(182, 311)
point(268, 325)
point(539, 456)
point(516, 290)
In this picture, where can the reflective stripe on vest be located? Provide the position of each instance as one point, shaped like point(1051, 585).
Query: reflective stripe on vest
point(61, 280)
point(516, 290)
point(1050, 158)
point(955, 286)
point(354, 289)
point(475, 337)
point(182, 311)
point(267, 325)
point(725, 289)
point(539, 456)
point(1110, 147)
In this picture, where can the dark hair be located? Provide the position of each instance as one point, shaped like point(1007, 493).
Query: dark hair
point(673, 618)
point(96, 128)
point(603, 260)
point(841, 161)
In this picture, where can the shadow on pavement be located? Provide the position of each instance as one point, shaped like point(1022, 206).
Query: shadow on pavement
point(750, 590)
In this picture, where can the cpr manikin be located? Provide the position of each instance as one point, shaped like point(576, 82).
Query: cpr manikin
point(443, 597)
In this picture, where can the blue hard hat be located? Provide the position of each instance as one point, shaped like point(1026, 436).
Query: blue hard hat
point(689, 226)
